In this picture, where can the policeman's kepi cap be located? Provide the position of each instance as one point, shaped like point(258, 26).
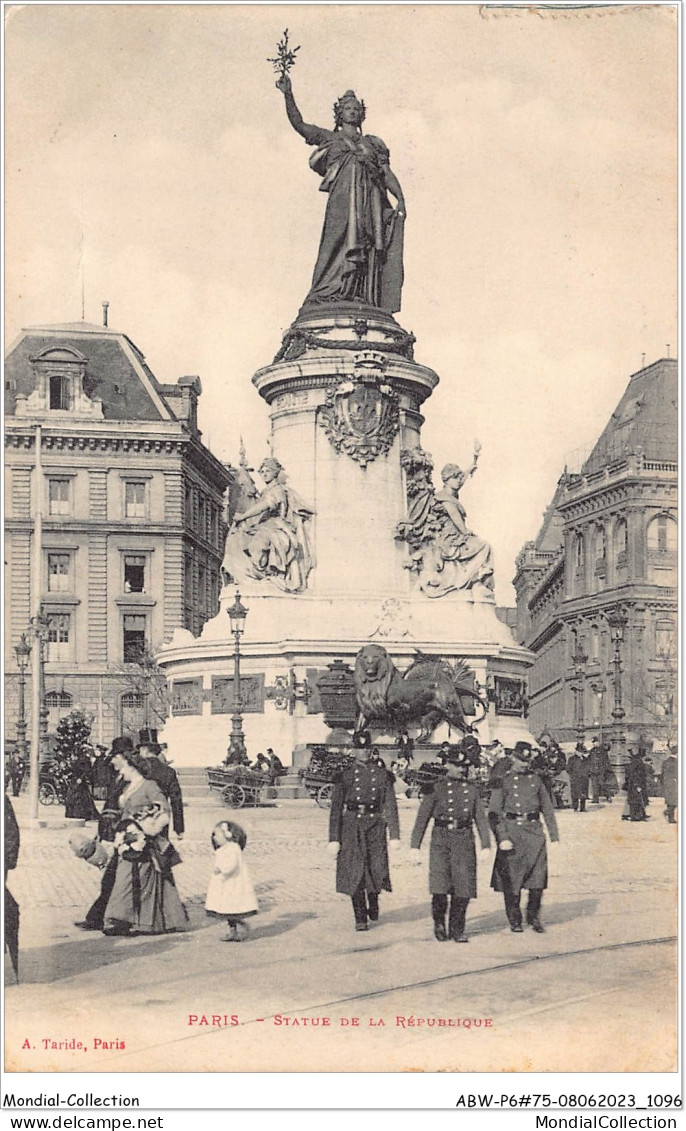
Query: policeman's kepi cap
point(523, 750)
point(456, 756)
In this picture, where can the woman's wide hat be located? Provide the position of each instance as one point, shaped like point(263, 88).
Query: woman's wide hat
point(121, 745)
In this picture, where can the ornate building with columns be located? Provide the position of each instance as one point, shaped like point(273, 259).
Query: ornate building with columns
point(130, 533)
point(608, 543)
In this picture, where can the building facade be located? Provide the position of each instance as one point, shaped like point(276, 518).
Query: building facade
point(608, 544)
point(114, 522)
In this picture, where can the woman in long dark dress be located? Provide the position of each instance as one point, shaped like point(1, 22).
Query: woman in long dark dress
point(78, 801)
point(636, 785)
point(360, 253)
point(144, 896)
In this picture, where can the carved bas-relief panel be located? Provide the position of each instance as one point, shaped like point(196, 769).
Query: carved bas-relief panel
point(252, 694)
point(187, 696)
point(509, 696)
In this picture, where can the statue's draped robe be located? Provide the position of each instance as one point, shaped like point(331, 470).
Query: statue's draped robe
point(361, 249)
point(276, 537)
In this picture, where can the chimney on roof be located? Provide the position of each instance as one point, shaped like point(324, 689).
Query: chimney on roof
point(105, 307)
point(669, 350)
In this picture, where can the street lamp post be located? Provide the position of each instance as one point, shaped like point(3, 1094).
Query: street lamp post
point(617, 621)
point(600, 689)
point(579, 660)
point(147, 667)
point(39, 629)
point(22, 651)
point(237, 615)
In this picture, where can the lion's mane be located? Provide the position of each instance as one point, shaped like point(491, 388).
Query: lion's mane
point(372, 687)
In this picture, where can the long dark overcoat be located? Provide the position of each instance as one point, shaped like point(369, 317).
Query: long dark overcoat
point(452, 858)
point(523, 794)
point(670, 788)
point(78, 801)
point(579, 771)
point(363, 856)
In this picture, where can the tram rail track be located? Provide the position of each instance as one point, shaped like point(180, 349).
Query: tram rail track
point(320, 1007)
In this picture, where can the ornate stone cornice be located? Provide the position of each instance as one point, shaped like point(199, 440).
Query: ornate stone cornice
point(80, 443)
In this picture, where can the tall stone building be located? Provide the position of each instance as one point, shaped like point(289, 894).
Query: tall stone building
point(609, 541)
point(130, 531)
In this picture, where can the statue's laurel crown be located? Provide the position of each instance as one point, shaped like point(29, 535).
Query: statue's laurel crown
point(349, 96)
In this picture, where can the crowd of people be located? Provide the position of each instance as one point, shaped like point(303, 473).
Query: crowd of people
point(507, 794)
point(268, 765)
point(511, 793)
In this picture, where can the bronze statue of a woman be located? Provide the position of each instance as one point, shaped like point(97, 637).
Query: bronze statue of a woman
point(361, 250)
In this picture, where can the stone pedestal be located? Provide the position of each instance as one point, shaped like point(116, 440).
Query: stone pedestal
point(345, 395)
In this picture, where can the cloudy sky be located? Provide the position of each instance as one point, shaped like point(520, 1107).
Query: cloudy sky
point(149, 161)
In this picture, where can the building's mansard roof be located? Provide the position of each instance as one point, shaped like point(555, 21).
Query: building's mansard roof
point(116, 370)
point(645, 420)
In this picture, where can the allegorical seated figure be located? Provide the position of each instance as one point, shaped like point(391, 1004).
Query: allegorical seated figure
point(446, 555)
point(268, 539)
point(360, 253)
point(458, 558)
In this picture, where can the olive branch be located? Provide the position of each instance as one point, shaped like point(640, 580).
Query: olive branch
point(285, 57)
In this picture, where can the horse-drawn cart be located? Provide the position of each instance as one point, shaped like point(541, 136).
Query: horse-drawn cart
point(320, 774)
point(52, 785)
point(237, 785)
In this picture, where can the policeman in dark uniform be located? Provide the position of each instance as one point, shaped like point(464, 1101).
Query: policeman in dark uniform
point(455, 805)
point(363, 810)
point(515, 809)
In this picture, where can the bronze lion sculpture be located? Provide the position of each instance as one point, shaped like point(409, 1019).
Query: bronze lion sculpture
point(427, 694)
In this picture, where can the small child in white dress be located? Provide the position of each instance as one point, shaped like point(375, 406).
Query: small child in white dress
point(230, 892)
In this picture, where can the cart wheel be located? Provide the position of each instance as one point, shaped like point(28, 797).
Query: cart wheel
point(323, 797)
point(233, 796)
point(47, 794)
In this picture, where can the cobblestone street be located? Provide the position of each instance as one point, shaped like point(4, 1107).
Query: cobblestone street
point(606, 966)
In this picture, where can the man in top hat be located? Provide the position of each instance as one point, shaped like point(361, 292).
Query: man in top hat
point(455, 805)
point(94, 920)
point(670, 785)
point(501, 763)
point(515, 809)
point(579, 770)
point(363, 811)
point(599, 771)
point(443, 752)
point(161, 772)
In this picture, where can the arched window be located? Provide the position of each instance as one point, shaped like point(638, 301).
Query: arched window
point(58, 699)
point(579, 552)
point(662, 535)
point(132, 712)
point(621, 543)
point(661, 546)
point(600, 544)
point(59, 704)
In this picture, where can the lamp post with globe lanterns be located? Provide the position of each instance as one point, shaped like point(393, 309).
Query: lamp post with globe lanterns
point(579, 660)
point(22, 651)
point(617, 622)
point(237, 615)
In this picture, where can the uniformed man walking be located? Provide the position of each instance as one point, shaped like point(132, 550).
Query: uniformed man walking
point(363, 811)
point(515, 809)
point(455, 805)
